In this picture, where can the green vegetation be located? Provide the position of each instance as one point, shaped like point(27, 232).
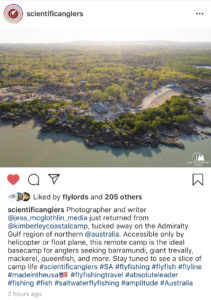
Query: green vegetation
point(51, 121)
point(102, 69)
point(58, 86)
point(179, 109)
point(176, 112)
point(34, 106)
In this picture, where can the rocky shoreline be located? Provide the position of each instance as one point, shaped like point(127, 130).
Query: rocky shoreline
point(165, 136)
point(107, 136)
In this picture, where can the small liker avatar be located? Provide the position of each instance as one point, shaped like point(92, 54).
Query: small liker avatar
point(20, 196)
point(26, 196)
point(13, 13)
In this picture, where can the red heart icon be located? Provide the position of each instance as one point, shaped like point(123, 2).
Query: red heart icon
point(13, 179)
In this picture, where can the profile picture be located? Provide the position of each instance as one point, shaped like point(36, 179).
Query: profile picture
point(13, 13)
point(26, 196)
point(20, 196)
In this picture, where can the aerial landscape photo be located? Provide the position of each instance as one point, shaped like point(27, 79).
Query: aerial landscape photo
point(79, 104)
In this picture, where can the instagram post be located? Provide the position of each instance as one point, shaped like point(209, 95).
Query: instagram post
point(105, 149)
point(83, 91)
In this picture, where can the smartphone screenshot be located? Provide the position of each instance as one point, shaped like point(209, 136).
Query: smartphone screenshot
point(105, 149)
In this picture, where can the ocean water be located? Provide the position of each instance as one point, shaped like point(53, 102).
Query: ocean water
point(26, 146)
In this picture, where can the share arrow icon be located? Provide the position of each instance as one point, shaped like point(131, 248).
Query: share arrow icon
point(54, 177)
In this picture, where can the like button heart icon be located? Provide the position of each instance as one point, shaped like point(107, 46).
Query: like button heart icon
point(13, 179)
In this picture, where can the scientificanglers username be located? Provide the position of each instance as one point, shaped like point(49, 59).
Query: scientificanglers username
point(53, 13)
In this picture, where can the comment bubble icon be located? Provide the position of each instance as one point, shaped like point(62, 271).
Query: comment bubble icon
point(34, 179)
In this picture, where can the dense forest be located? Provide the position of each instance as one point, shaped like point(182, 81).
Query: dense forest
point(101, 69)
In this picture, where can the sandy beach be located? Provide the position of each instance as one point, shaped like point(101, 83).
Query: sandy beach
point(206, 103)
point(158, 97)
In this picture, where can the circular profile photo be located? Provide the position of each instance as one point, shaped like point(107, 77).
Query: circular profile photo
point(26, 196)
point(13, 13)
point(16, 196)
point(19, 196)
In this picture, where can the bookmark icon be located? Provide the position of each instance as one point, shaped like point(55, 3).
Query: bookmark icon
point(198, 178)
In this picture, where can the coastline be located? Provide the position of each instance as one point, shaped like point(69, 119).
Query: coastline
point(105, 134)
point(35, 149)
point(165, 136)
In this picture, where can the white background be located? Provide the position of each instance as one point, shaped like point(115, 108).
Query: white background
point(112, 21)
point(168, 195)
